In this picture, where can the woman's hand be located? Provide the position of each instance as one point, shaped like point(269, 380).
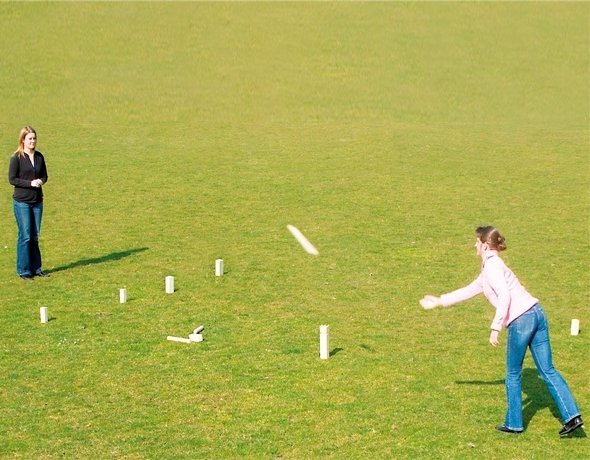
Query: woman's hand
point(429, 302)
point(36, 183)
point(494, 338)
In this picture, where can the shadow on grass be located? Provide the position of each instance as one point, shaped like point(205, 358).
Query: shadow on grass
point(536, 397)
point(336, 351)
point(480, 382)
point(98, 260)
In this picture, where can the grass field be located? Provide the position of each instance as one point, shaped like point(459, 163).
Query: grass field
point(179, 133)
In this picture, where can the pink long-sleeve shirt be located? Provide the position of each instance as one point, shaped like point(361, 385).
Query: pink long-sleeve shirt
point(500, 286)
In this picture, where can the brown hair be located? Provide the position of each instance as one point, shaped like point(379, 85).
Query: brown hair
point(492, 237)
point(20, 151)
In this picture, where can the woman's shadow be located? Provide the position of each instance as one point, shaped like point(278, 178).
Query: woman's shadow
point(97, 260)
point(536, 397)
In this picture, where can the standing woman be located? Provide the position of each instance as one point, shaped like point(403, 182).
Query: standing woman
point(27, 173)
point(525, 319)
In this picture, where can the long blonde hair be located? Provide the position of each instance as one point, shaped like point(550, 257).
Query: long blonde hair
point(20, 151)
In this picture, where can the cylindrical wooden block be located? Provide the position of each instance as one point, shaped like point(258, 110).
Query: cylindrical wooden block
point(169, 285)
point(575, 328)
point(219, 267)
point(324, 342)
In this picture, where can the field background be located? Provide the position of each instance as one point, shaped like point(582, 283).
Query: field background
point(178, 133)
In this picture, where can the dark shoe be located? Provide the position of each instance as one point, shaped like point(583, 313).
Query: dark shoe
point(571, 426)
point(26, 277)
point(42, 274)
point(505, 429)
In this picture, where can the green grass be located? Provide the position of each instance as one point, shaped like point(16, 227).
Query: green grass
point(178, 133)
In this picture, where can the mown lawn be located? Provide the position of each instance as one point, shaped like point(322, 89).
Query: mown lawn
point(179, 133)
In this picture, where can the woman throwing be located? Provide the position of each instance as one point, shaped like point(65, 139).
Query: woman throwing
point(27, 173)
point(525, 319)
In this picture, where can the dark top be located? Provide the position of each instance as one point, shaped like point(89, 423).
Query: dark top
point(21, 173)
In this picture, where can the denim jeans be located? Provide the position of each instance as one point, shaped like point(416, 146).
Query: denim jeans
point(531, 330)
point(28, 220)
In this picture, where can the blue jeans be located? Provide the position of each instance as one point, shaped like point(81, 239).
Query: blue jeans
point(28, 220)
point(531, 330)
